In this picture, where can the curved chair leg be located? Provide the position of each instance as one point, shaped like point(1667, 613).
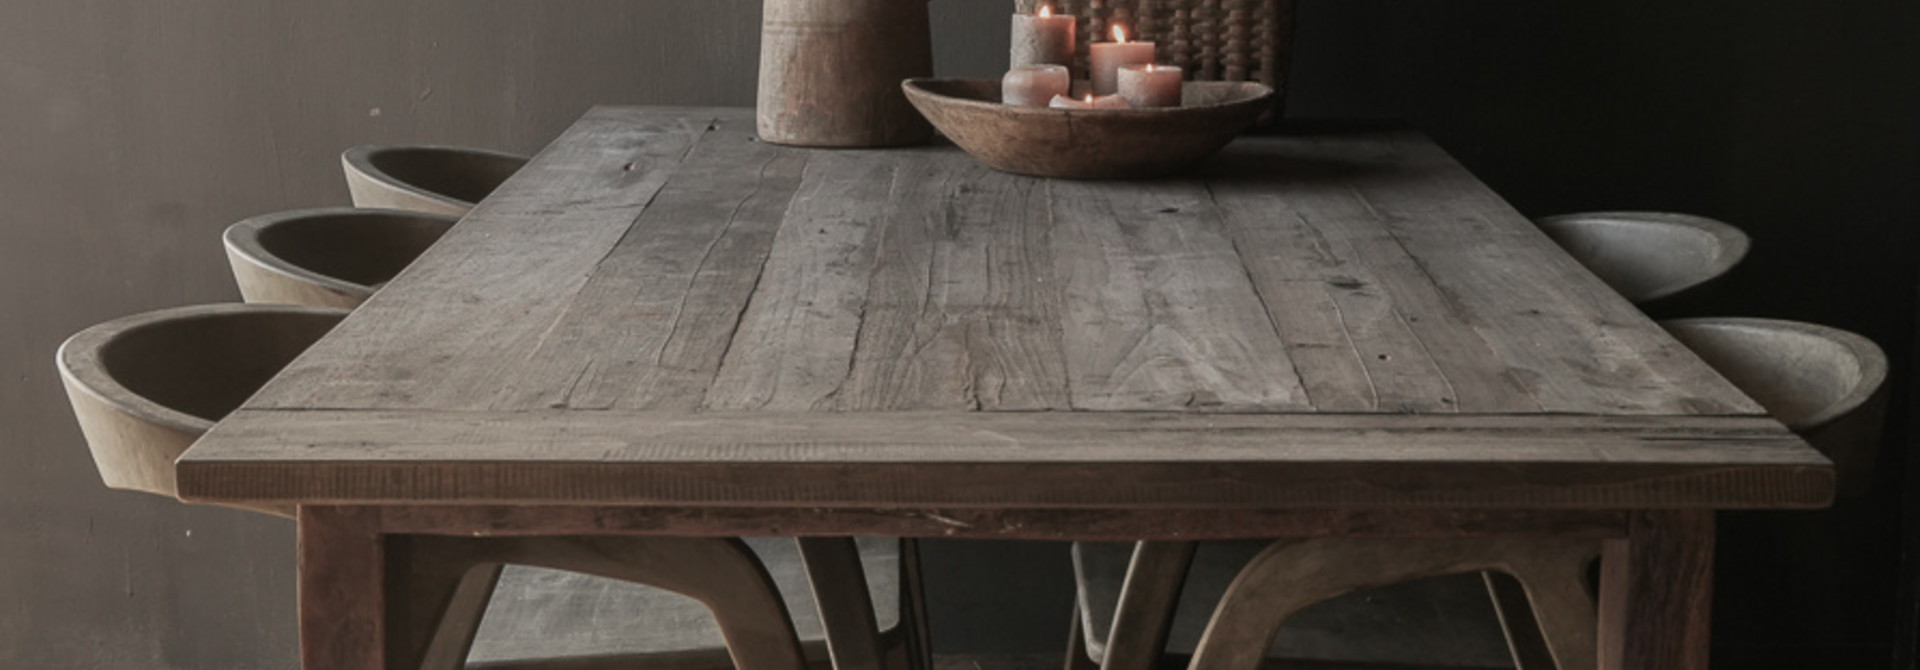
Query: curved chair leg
point(1565, 610)
point(721, 573)
point(846, 609)
point(1078, 657)
point(460, 619)
point(1293, 574)
point(1525, 641)
point(1148, 599)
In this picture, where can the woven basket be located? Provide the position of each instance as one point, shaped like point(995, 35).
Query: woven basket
point(1213, 40)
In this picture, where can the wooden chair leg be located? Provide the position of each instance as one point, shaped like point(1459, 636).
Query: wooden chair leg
point(1148, 599)
point(1078, 656)
point(1525, 641)
point(722, 574)
point(1290, 575)
point(846, 609)
point(1566, 612)
point(460, 613)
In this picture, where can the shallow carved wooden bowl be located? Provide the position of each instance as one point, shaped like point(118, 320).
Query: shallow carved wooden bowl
point(1088, 144)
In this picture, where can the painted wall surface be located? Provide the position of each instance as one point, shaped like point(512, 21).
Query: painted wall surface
point(132, 132)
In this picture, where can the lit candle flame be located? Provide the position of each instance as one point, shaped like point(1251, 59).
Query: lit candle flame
point(1046, 11)
point(1089, 98)
point(1119, 33)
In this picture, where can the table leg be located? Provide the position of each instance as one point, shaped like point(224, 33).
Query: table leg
point(1656, 593)
point(342, 559)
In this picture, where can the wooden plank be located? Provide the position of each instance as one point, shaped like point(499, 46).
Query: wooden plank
point(990, 459)
point(794, 346)
point(1160, 314)
point(486, 293)
point(962, 310)
point(1360, 326)
point(651, 324)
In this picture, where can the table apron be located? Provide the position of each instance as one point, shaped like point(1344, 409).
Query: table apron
point(1011, 524)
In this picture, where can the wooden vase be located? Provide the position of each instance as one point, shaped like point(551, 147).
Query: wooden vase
point(830, 72)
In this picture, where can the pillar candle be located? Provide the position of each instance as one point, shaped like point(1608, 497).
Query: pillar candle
point(1033, 85)
point(1107, 57)
point(1090, 102)
point(1150, 85)
point(1041, 39)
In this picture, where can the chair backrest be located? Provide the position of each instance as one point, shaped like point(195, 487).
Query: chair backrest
point(1650, 258)
point(335, 257)
point(145, 387)
point(425, 178)
point(1826, 384)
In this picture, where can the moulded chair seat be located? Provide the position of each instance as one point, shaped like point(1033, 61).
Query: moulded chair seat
point(425, 178)
point(1827, 385)
point(1665, 263)
point(334, 257)
point(145, 387)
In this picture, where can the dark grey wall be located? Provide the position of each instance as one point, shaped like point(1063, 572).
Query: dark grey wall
point(132, 132)
point(1797, 121)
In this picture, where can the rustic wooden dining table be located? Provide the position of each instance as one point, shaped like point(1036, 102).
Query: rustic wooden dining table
point(664, 326)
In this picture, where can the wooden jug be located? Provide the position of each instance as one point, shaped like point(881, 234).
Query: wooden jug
point(830, 72)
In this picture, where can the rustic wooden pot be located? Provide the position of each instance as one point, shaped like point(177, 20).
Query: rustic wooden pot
point(1089, 143)
point(830, 72)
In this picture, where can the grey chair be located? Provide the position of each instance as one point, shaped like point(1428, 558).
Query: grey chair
point(334, 257)
point(425, 178)
point(146, 387)
point(1826, 384)
point(1667, 264)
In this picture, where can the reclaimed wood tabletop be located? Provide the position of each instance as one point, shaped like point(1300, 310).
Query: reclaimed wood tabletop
point(663, 325)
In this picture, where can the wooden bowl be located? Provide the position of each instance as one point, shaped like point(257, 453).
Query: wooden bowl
point(1087, 143)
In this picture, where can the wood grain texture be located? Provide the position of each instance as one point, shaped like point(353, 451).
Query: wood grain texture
point(556, 222)
point(343, 590)
point(830, 72)
point(1656, 593)
point(659, 310)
